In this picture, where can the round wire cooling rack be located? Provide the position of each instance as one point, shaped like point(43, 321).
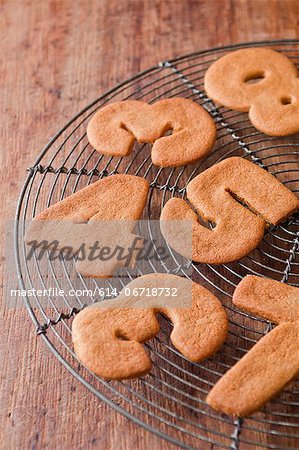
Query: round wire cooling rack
point(170, 401)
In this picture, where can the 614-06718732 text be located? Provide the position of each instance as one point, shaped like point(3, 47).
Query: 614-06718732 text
point(100, 291)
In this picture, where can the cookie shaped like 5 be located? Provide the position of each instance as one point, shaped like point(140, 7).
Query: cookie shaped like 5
point(114, 128)
point(108, 335)
point(261, 81)
point(274, 361)
point(215, 195)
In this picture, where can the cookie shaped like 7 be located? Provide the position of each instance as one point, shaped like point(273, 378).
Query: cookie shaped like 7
point(274, 361)
point(215, 195)
point(261, 81)
point(108, 335)
point(95, 220)
point(115, 127)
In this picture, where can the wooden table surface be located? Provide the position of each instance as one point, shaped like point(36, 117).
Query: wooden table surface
point(57, 56)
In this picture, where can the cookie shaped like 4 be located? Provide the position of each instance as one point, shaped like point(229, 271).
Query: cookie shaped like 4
point(261, 81)
point(215, 195)
point(274, 361)
point(115, 127)
point(89, 224)
point(108, 335)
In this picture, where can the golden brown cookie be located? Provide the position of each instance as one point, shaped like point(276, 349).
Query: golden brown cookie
point(261, 81)
point(272, 300)
point(274, 361)
point(213, 195)
point(277, 116)
point(108, 335)
point(114, 128)
point(104, 213)
point(269, 366)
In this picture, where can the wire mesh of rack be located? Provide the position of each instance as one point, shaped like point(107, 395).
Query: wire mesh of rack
point(170, 401)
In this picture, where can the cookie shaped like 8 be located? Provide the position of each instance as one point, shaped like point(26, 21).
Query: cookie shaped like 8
point(114, 129)
point(261, 81)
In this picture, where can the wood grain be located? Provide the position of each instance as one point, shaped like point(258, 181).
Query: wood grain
point(56, 57)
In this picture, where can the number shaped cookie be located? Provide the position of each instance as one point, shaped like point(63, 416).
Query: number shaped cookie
point(261, 81)
point(216, 195)
point(274, 361)
point(108, 335)
point(115, 127)
point(100, 216)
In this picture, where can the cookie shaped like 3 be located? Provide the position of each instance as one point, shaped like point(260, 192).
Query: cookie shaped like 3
point(274, 361)
point(100, 216)
point(115, 127)
point(215, 195)
point(108, 335)
point(261, 81)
